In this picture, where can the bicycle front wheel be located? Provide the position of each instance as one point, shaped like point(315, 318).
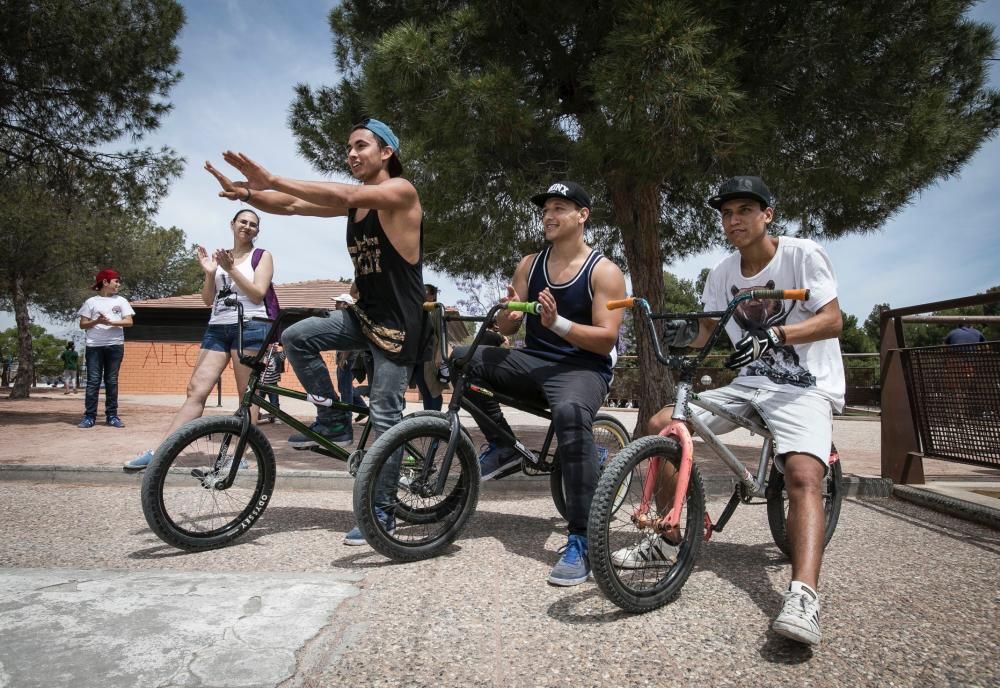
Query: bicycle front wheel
point(634, 567)
point(184, 498)
point(435, 503)
point(777, 505)
point(610, 437)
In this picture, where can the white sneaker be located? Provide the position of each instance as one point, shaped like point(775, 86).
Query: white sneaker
point(799, 617)
point(651, 552)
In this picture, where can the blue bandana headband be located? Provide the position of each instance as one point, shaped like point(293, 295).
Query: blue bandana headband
point(382, 130)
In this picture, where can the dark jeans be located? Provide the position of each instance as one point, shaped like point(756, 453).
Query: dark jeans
point(431, 402)
point(345, 385)
point(574, 396)
point(103, 362)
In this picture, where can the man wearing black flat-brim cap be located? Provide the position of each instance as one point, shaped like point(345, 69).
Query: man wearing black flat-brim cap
point(742, 187)
point(566, 363)
point(790, 373)
point(568, 190)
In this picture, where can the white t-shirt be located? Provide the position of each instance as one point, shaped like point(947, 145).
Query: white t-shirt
point(224, 284)
point(816, 367)
point(114, 308)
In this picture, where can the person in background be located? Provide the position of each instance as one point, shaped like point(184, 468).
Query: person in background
point(272, 376)
point(228, 272)
point(345, 362)
point(104, 318)
point(432, 401)
point(70, 360)
point(966, 334)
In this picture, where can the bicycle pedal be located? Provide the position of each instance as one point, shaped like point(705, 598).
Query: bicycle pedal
point(525, 453)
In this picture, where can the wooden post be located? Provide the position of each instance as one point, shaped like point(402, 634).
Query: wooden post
point(901, 459)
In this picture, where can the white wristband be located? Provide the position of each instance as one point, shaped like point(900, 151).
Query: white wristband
point(561, 326)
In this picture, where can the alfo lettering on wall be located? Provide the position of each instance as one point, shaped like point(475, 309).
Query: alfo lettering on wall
point(177, 355)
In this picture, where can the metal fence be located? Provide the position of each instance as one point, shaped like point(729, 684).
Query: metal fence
point(955, 392)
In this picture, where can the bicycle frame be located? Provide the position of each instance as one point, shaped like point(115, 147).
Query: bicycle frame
point(255, 389)
point(750, 484)
point(461, 385)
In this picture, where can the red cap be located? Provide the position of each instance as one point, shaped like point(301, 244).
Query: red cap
point(105, 274)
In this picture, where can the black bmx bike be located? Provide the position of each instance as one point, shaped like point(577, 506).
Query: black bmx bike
point(439, 475)
point(212, 479)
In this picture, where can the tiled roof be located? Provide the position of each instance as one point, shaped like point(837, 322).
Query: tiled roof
point(308, 294)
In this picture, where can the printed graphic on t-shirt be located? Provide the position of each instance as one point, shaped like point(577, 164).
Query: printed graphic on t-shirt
point(366, 253)
point(781, 364)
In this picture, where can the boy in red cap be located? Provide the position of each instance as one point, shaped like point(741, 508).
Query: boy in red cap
point(103, 318)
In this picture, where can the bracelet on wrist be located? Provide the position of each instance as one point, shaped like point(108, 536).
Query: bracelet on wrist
point(249, 194)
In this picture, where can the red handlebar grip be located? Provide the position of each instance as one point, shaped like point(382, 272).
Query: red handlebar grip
point(621, 303)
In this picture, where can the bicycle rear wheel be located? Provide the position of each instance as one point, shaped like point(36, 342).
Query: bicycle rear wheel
point(446, 512)
point(183, 497)
point(777, 505)
point(610, 436)
point(619, 545)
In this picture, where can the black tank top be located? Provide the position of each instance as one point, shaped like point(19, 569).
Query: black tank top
point(575, 301)
point(391, 290)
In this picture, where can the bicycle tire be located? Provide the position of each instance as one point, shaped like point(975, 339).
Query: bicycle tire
point(611, 530)
point(180, 500)
point(610, 433)
point(411, 513)
point(407, 541)
point(777, 505)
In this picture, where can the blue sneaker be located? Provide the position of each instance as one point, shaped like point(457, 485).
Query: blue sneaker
point(115, 422)
point(139, 462)
point(496, 460)
point(602, 457)
point(341, 433)
point(574, 567)
point(355, 537)
point(87, 422)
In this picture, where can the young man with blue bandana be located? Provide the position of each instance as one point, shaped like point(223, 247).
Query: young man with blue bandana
point(384, 239)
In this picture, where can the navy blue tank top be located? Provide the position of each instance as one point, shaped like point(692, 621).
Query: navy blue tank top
point(575, 300)
point(391, 289)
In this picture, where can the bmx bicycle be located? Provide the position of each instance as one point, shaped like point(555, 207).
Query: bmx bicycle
point(626, 513)
point(212, 479)
point(439, 493)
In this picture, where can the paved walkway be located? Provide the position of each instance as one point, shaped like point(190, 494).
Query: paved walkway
point(90, 597)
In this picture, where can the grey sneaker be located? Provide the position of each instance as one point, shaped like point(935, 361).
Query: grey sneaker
point(338, 432)
point(574, 566)
point(653, 551)
point(139, 462)
point(799, 617)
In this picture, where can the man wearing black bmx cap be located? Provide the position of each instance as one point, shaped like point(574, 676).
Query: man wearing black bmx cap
point(790, 372)
point(567, 359)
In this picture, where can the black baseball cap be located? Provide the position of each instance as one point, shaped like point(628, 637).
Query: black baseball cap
point(742, 187)
point(569, 190)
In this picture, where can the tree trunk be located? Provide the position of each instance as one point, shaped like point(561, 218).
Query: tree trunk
point(25, 364)
point(636, 211)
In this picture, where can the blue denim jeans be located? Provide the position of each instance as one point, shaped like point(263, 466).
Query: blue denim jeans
point(307, 339)
point(103, 363)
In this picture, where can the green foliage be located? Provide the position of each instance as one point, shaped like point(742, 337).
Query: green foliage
point(853, 339)
point(44, 346)
point(79, 76)
point(650, 104)
point(872, 322)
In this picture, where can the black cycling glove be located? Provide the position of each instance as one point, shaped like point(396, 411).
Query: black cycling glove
point(753, 346)
point(679, 334)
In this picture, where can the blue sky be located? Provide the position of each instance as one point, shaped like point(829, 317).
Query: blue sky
point(242, 58)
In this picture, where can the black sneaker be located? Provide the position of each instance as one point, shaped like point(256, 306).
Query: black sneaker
point(338, 432)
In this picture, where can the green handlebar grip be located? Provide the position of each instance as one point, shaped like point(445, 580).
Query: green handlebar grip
point(532, 307)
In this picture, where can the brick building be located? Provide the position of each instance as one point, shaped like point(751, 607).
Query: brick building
point(162, 346)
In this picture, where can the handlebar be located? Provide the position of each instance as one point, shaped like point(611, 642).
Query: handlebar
point(529, 307)
point(687, 363)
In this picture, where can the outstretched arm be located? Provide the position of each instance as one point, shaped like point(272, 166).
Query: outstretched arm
point(272, 202)
point(394, 194)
